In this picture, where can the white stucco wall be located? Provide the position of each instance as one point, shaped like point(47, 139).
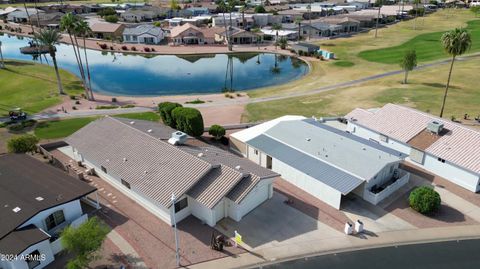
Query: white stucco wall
point(451, 172)
point(307, 183)
point(71, 210)
point(19, 263)
point(261, 192)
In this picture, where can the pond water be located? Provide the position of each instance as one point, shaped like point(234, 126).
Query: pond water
point(148, 75)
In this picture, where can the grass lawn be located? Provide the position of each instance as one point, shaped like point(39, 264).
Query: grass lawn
point(424, 91)
point(33, 87)
point(427, 46)
point(325, 73)
point(62, 128)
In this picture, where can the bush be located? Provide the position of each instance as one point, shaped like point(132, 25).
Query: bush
point(196, 101)
point(103, 46)
point(424, 200)
point(73, 97)
point(128, 106)
point(216, 131)
point(134, 49)
point(107, 12)
point(22, 144)
point(124, 47)
point(188, 120)
point(165, 109)
point(260, 9)
point(17, 127)
point(146, 49)
point(111, 18)
point(107, 107)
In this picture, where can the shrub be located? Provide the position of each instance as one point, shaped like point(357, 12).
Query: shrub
point(103, 46)
point(77, 102)
point(17, 127)
point(146, 49)
point(73, 97)
point(128, 106)
point(188, 120)
point(114, 99)
point(260, 9)
point(424, 200)
point(196, 101)
point(22, 144)
point(107, 12)
point(106, 107)
point(134, 49)
point(152, 49)
point(111, 18)
point(124, 47)
point(157, 24)
point(165, 109)
point(28, 123)
point(216, 131)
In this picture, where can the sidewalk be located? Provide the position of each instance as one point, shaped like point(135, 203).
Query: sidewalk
point(342, 244)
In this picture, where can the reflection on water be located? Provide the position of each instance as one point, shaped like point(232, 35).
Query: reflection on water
point(149, 75)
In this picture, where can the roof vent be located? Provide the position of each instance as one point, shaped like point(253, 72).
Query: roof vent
point(178, 138)
point(149, 130)
point(238, 167)
point(200, 155)
point(124, 159)
point(145, 172)
point(435, 127)
point(39, 198)
point(16, 209)
point(308, 139)
point(132, 122)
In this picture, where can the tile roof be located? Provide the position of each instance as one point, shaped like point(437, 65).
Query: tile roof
point(23, 179)
point(105, 27)
point(219, 173)
point(176, 31)
point(461, 146)
point(143, 29)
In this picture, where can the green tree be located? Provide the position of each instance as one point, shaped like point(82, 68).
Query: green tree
point(260, 9)
point(165, 109)
point(84, 241)
point(409, 62)
point(188, 120)
point(282, 42)
point(111, 18)
point(106, 12)
point(68, 23)
point(475, 10)
point(49, 38)
point(455, 42)
point(424, 200)
point(174, 5)
point(216, 131)
point(22, 144)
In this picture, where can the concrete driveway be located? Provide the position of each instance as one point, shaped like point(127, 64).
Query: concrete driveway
point(275, 223)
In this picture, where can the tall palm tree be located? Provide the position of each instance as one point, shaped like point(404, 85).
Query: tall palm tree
point(455, 42)
point(50, 38)
point(83, 29)
point(2, 63)
point(309, 8)
point(298, 21)
point(223, 7)
point(378, 17)
point(277, 27)
point(242, 10)
point(68, 23)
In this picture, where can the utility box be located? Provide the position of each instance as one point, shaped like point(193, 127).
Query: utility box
point(348, 228)
point(358, 226)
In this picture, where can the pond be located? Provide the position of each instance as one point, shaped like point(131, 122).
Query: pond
point(153, 75)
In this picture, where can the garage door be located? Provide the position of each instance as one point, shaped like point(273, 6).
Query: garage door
point(253, 199)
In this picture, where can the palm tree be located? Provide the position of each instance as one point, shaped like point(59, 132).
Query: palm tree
point(309, 8)
point(68, 23)
point(2, 62)
point(242, 10)
point(49, 38)
point(277, 27)
point(378, 17)
point(83, 29)
point(298, 21)
point(223, 7)
point(455, 42)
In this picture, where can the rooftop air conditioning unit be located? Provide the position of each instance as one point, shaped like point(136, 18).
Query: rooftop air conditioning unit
point(435, 127)
point(178, 138)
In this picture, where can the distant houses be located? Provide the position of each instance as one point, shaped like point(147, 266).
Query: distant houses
point(143, 34)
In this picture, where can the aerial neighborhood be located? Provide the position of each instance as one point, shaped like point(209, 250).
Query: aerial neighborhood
point(239, 134)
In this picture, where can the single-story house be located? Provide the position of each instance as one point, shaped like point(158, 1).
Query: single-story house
point(4, 12)
point(37, 202)
point(238, 36)
point(442, 147)
point(284, 33)
point(198, 11)
point(143, 34)
point(305, 48)
point(189, 34)
point(326, 162)
point(45, 19)
point(22, 15)
point(315, 29)
point(106, 30)
point(150, 162)
point(147, 13)
point(347, 24)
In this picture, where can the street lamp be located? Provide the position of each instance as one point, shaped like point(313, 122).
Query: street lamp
point(177, 256)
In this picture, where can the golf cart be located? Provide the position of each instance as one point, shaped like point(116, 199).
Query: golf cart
point(15, 113)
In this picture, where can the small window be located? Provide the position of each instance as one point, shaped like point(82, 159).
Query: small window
point(54, 219)
point(104, 169)
point(125, 183)
point(256, 152)
point(181, 205)
point(33, 259)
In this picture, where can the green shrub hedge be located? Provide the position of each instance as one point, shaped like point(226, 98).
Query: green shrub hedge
point(216, 131)
point(165, 109)
point(188, 120)
point(22, 144)
point(424, 200)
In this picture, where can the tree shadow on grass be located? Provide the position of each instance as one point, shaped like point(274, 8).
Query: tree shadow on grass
point(17, 63)
point(439, 85)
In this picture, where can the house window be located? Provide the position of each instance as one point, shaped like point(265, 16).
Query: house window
point(125, 183)
point(103, 169)
point(441, 160)
point(55, 219)
point(383, 138)
point(417, 155)
point(33, 259)
point(181, 205)
point(256, 152)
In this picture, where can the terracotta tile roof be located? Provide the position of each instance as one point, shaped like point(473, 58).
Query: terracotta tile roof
point(176, 31)
point(461, 146)
point(105, 27)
